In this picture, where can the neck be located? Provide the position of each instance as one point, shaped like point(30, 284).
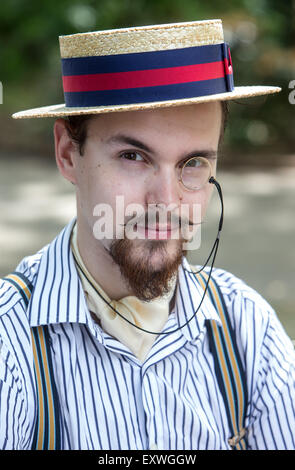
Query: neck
point(100, 264)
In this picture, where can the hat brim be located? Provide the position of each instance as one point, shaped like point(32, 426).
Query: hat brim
point(60, 110)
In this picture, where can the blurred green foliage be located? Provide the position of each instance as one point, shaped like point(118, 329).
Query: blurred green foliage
point(261, 34)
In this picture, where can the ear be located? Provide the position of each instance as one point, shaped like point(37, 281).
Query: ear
point(65, 151)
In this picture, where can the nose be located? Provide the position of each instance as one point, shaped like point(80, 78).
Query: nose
point(164, 187)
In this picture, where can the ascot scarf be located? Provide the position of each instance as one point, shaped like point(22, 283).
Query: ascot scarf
point(150, 316)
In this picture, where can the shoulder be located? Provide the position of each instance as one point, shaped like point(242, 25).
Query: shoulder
point(11, 302)
point(257, 327)
point(14, 322)
point(232, 285)
point(248, 309)
point(9, 297)
point(250, 314)
point(243, 303)
point(240, 298)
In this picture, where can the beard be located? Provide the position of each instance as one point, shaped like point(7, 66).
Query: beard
point(146, 278)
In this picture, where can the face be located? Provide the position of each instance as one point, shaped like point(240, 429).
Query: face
point(137, 156)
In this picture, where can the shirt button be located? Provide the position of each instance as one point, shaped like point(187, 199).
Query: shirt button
point(154, 447)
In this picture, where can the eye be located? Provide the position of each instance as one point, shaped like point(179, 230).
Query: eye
point(132, 156)
point(194, 162)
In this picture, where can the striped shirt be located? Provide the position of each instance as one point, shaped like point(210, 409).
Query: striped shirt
point(111, 400)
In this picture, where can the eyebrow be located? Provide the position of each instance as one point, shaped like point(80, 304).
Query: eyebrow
point(125, 139)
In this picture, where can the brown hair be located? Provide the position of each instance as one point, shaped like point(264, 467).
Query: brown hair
point(77, 127)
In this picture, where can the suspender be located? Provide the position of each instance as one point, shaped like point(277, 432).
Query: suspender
point(47, 426)
point(228, 367)
point(229, 370)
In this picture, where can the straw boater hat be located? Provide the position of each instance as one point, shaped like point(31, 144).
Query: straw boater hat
point(145, 67)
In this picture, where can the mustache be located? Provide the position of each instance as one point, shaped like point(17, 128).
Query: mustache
point(171, 219)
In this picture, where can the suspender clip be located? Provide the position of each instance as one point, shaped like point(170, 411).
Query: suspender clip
point(233, 441)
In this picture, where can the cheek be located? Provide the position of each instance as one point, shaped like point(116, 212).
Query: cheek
point(198, 203)
point(208, 191)
point(93, 188)
point(115, 194)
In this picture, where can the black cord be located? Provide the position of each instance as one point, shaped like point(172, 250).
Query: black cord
point(212, 180)
point(214, 250)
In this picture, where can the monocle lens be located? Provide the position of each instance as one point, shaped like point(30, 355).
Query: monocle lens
point(195, 173)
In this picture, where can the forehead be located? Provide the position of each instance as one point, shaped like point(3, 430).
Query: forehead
point(198, 122)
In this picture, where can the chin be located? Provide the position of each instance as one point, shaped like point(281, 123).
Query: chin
point(157, 252)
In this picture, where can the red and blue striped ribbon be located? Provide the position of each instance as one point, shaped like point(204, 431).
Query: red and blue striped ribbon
point(147, 76)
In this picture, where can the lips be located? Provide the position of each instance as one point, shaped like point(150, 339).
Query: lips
point(160, 229)
point(157, 228)
point(157, 232)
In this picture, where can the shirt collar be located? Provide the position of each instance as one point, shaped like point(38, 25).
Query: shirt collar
point(58, 295)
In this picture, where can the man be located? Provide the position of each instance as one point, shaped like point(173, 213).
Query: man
point(123, 320)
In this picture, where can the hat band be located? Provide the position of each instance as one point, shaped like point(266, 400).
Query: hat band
point(144, 77)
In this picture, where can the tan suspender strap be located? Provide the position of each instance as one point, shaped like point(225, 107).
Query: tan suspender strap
point(47, 427)
point(228, 365)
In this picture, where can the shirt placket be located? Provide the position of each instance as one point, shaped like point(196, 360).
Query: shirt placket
point(152, 396)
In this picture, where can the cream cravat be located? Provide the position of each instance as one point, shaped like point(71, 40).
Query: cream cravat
point(150, 316)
